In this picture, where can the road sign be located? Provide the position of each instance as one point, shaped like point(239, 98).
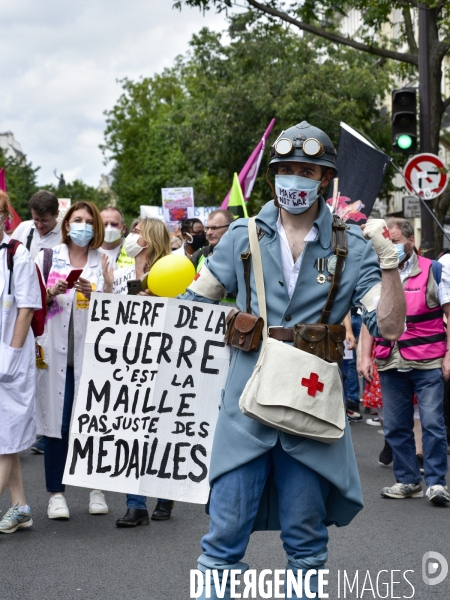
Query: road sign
point(425, 176)
point(411, 207)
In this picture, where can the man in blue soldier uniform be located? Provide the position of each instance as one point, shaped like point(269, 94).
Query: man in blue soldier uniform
point(262, 478)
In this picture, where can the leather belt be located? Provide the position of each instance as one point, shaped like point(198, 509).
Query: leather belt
point(282, 334)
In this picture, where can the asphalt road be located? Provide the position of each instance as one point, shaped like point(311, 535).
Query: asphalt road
point(88, 558)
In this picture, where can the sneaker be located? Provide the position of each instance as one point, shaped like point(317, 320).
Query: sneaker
point(404, 490)
point(385, 457)
point(438, 494)
point(375, 422)
point(57, 507)
point(353, 416)
point(97, 503)
point(16, 519)
point(420, 461)
point(39, 446)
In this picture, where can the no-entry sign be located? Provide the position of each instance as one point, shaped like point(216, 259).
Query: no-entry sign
point(425, 176)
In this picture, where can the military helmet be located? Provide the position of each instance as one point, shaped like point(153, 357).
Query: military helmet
point(303, 143)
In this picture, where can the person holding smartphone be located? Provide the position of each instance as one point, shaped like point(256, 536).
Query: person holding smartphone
point(61, 346)
point(147, 242)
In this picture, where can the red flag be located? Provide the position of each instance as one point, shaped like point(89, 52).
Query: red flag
point(249, 171)
point(12, 223)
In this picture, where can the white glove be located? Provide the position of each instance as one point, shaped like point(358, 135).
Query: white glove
point(377, 231)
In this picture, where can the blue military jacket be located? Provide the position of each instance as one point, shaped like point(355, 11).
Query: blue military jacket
point(239, 439)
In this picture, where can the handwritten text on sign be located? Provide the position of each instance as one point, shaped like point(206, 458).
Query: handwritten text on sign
point(149, 396)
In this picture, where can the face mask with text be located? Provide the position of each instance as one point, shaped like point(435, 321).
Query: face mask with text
point(296, 194)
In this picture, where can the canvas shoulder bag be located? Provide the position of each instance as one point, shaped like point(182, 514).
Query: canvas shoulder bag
point(289, 389)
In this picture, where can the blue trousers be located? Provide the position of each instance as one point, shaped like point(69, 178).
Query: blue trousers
point(351, 385)
point(398, 390)
point(140, 502)
point(235, 498)
point(56, 449)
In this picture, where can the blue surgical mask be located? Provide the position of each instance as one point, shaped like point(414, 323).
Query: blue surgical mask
point(400, 251)
point(296, 194)
point(81, 233)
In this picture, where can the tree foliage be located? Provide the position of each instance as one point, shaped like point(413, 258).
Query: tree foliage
point(377, 36)
point(196, 123)
point(78, 190)
point(20, 182)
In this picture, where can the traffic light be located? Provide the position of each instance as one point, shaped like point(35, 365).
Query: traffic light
point(404, 121)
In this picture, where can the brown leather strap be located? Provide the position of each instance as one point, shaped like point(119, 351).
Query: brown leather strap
point(282, 334)
point(340, 248)
point(245, 257)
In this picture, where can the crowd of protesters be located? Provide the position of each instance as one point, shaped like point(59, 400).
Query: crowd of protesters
point(39, 377)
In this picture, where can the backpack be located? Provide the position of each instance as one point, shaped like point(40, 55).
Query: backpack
point(38, 321)
point(436, 267)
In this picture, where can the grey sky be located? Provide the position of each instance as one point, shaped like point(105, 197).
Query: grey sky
point(59, 62)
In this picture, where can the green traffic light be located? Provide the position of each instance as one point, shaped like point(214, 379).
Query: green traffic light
point(404, 141)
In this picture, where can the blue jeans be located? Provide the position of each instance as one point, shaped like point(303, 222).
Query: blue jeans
point(235, 498)
point(351, 386)
point(56, 449)
point(398, 391)
point(140, 502)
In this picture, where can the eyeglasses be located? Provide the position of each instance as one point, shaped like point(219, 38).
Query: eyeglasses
point(42, 221)
point(215, 228)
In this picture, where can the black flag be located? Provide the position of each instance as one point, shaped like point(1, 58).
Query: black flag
point(361, 168)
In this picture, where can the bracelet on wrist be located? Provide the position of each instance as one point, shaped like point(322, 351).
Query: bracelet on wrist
point(49, 294)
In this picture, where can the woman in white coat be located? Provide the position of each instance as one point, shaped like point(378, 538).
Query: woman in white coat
point(62, 343)
point(19, 296)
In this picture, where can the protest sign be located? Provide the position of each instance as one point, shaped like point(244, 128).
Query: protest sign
point(178, 204)
point(156, 212)
point(149, 397)
point(63, 206)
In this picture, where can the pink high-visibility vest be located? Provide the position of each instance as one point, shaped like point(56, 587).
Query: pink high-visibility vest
point(424, 338)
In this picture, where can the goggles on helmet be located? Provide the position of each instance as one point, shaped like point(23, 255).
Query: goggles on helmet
point(311, 147)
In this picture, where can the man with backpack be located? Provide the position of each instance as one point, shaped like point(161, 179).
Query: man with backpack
point(417, 364)
point(44, 229)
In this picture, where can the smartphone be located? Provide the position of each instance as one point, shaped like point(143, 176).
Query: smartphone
point(134, 286)
point(73, 277)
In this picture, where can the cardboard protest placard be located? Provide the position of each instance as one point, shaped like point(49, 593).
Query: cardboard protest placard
point(149, 397)
point(178, 204)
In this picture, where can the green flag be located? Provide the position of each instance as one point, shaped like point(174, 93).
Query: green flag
point(236, 202)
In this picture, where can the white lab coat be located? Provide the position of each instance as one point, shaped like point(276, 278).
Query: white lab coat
point(17, 366)
point(50, 382)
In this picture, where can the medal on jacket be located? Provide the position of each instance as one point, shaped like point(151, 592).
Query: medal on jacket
point(331, 264)
point(40, 363)
point(320, 266)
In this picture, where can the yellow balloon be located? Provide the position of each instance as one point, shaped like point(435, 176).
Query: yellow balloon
point(170, 276)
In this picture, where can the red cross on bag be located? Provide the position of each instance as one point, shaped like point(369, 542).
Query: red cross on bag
point(386, 232)
point(313, 384)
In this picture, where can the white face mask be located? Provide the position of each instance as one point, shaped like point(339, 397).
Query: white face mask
point(295, 193)
point(131, 245)
point(112, 234)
